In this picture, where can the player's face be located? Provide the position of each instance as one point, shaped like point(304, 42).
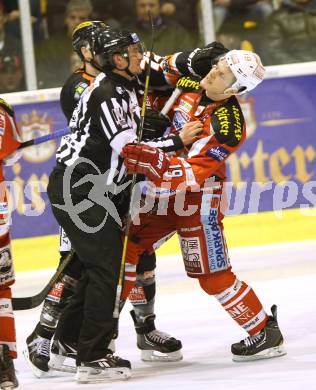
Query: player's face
point(219, 79)
point(135, 54)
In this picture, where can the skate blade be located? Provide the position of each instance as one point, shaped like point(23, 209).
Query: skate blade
point(92, 375)
point(36, 371)
point(156, 356)
point(56, 363)
point(266, 354)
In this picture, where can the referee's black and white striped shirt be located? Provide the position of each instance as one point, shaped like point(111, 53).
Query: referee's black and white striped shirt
point(105, 120)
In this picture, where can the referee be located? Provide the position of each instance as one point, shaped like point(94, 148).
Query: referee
point(86, 192)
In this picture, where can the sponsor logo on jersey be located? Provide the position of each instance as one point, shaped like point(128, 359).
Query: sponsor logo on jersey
point(219, 153)
point(237, 123)
point(243, 315)
point(191, 254)
point(185, 106)
point(187, 82)
point(79, 89)
point(215, 242)
point(223, 116)
point(137, 296)
point(179, 120)
point(56, 292)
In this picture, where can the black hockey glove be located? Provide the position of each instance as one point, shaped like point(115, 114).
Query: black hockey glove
point(155, 124)
point(202, 60)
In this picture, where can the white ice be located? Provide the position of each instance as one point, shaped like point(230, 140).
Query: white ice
point(280, 274)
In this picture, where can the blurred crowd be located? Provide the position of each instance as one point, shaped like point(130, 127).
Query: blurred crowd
point(281, 31)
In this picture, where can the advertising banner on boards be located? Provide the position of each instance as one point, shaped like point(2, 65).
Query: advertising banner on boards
point(274, 169)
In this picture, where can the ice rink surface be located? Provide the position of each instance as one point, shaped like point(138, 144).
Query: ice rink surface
point(283, 274)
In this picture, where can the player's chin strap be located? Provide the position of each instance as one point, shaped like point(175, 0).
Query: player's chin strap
point(126, 56)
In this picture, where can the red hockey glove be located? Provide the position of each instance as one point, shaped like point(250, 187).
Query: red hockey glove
point(146, 160)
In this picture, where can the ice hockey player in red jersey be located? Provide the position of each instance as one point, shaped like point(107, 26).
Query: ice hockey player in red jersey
point(194, 185)
point(9, 142)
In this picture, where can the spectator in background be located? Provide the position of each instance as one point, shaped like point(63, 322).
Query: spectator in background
point(180, 11)
point(11, 9)
point(250, 9)
point(53, 56)
point(170, 36)
point(291, 33)
point(239, 24)
point(8, 43)
point(11, 74)
point(230, 36)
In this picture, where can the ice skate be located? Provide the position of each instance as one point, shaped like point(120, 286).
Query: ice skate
point(267, 343)
point(37, 354)
point(61, 351)
point(8, 380)
point(108, 368)
point(154, 344)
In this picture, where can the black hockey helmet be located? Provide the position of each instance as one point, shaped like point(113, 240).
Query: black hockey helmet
point(113, 41)
point(86, 33)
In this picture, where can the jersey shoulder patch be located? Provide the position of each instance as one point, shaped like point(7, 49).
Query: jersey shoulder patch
point(6, 107)
point(79, 89)
point(228, 122)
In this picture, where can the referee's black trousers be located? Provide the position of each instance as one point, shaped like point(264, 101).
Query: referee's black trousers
point(88, 318)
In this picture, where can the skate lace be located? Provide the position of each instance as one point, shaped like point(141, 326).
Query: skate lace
point(251, 340)
point(157, 336)
point(41, 346)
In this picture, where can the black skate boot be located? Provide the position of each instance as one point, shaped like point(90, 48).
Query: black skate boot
point(267, 343)
point(37, 354)
point(154, 344)
point(110, 367)
point(60, 351)
point(8, 379)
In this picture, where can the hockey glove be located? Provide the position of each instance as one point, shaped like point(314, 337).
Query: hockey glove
point(155, 124)
point(141, 158)
point(203, 59)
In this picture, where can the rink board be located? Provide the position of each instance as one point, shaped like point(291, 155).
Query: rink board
point(260, 229)
point(278, 159)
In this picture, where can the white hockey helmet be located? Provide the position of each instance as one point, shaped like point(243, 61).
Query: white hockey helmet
point(247, 68)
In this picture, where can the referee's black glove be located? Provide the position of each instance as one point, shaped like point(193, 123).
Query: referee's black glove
point(155, 124)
